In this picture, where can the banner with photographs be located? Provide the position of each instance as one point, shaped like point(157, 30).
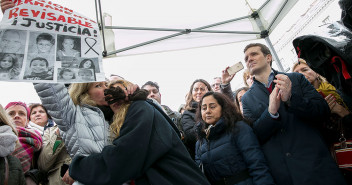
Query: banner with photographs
point(41, 41)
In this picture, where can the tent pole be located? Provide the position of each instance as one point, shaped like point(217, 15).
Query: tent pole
point(102, 27)
point(274, 54)
point(265, 35)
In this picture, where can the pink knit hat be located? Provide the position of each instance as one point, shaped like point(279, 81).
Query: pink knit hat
point(18, 103)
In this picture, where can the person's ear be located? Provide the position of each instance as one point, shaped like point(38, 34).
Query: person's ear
point(269, 58)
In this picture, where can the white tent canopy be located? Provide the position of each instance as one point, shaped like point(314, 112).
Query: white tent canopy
point(176, 25)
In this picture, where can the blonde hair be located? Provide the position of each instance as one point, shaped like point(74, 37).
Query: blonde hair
point(245, 74)
point(302, 61)
point(120, 115)
point(5, 120)
point(79, 93)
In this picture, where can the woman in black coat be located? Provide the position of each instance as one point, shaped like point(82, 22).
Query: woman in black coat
point(227, 146)
point(147, 148)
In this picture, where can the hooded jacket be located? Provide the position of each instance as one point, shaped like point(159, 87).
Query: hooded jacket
point(329, 53)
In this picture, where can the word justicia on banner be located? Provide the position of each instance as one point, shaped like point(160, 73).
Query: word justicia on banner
point(41, 41)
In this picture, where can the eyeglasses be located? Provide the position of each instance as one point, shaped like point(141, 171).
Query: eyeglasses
point(202, 89)
point(216, 84)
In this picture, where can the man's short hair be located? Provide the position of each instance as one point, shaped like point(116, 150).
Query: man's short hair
point(263, 48)
point(153, 84)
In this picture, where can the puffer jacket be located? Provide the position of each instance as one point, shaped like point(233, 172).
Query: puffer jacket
point(83, 128)
point(230, 153)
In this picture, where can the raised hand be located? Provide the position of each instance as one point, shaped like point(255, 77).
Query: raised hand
point(226, 77)
point(6, 4)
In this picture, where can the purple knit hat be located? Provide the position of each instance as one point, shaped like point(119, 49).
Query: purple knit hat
point(18, 103)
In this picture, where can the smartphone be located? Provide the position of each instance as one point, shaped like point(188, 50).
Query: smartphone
point(235, 68)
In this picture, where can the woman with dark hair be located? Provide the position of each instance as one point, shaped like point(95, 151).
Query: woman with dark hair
point(39, 118)
point(227, 149)
point(237, 95)
point(198, 88)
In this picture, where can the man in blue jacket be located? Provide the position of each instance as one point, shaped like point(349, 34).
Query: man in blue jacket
point(286, 112)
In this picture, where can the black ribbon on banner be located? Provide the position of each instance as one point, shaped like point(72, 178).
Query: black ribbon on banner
point(91, 46)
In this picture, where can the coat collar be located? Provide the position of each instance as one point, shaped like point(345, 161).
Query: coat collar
point(218, 129)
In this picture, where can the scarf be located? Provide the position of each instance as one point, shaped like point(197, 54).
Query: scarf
point(7, 140)
point(30, 142)
point(326, 88)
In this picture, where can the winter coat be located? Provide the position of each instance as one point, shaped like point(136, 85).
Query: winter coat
point(337, 66)
point(227, 90)
point(16, 176)
point(148, 150)
point(189, 128)
point(175, 117)
point(226, 154)
point(53, 156)
point(8, 141)
point(293, 147)
point(83, 128)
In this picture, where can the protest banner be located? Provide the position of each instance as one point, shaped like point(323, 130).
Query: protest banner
point(41, 41)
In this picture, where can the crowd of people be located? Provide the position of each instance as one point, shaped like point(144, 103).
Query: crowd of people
point(280, 128)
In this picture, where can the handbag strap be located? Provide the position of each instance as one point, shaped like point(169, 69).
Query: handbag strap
point(6, 171)
point(342, 138)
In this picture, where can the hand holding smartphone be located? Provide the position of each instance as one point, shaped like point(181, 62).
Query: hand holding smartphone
point(235, 68)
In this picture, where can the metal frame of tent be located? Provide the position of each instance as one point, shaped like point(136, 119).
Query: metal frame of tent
point(264, 33)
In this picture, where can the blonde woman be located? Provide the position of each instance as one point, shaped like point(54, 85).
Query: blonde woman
point(146, 147)
point(8, 141)
point(341, 116)
point(328, 91)
point(82, 115)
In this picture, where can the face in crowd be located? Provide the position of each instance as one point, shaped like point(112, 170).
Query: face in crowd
point(216, 85)
point(96, 93)
point(304, 69)
point(39, 116)
point(153, 93)
point(255, 60)
point(239, 98)
point(211, 110)
point(18, 114)
point(198, 91)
